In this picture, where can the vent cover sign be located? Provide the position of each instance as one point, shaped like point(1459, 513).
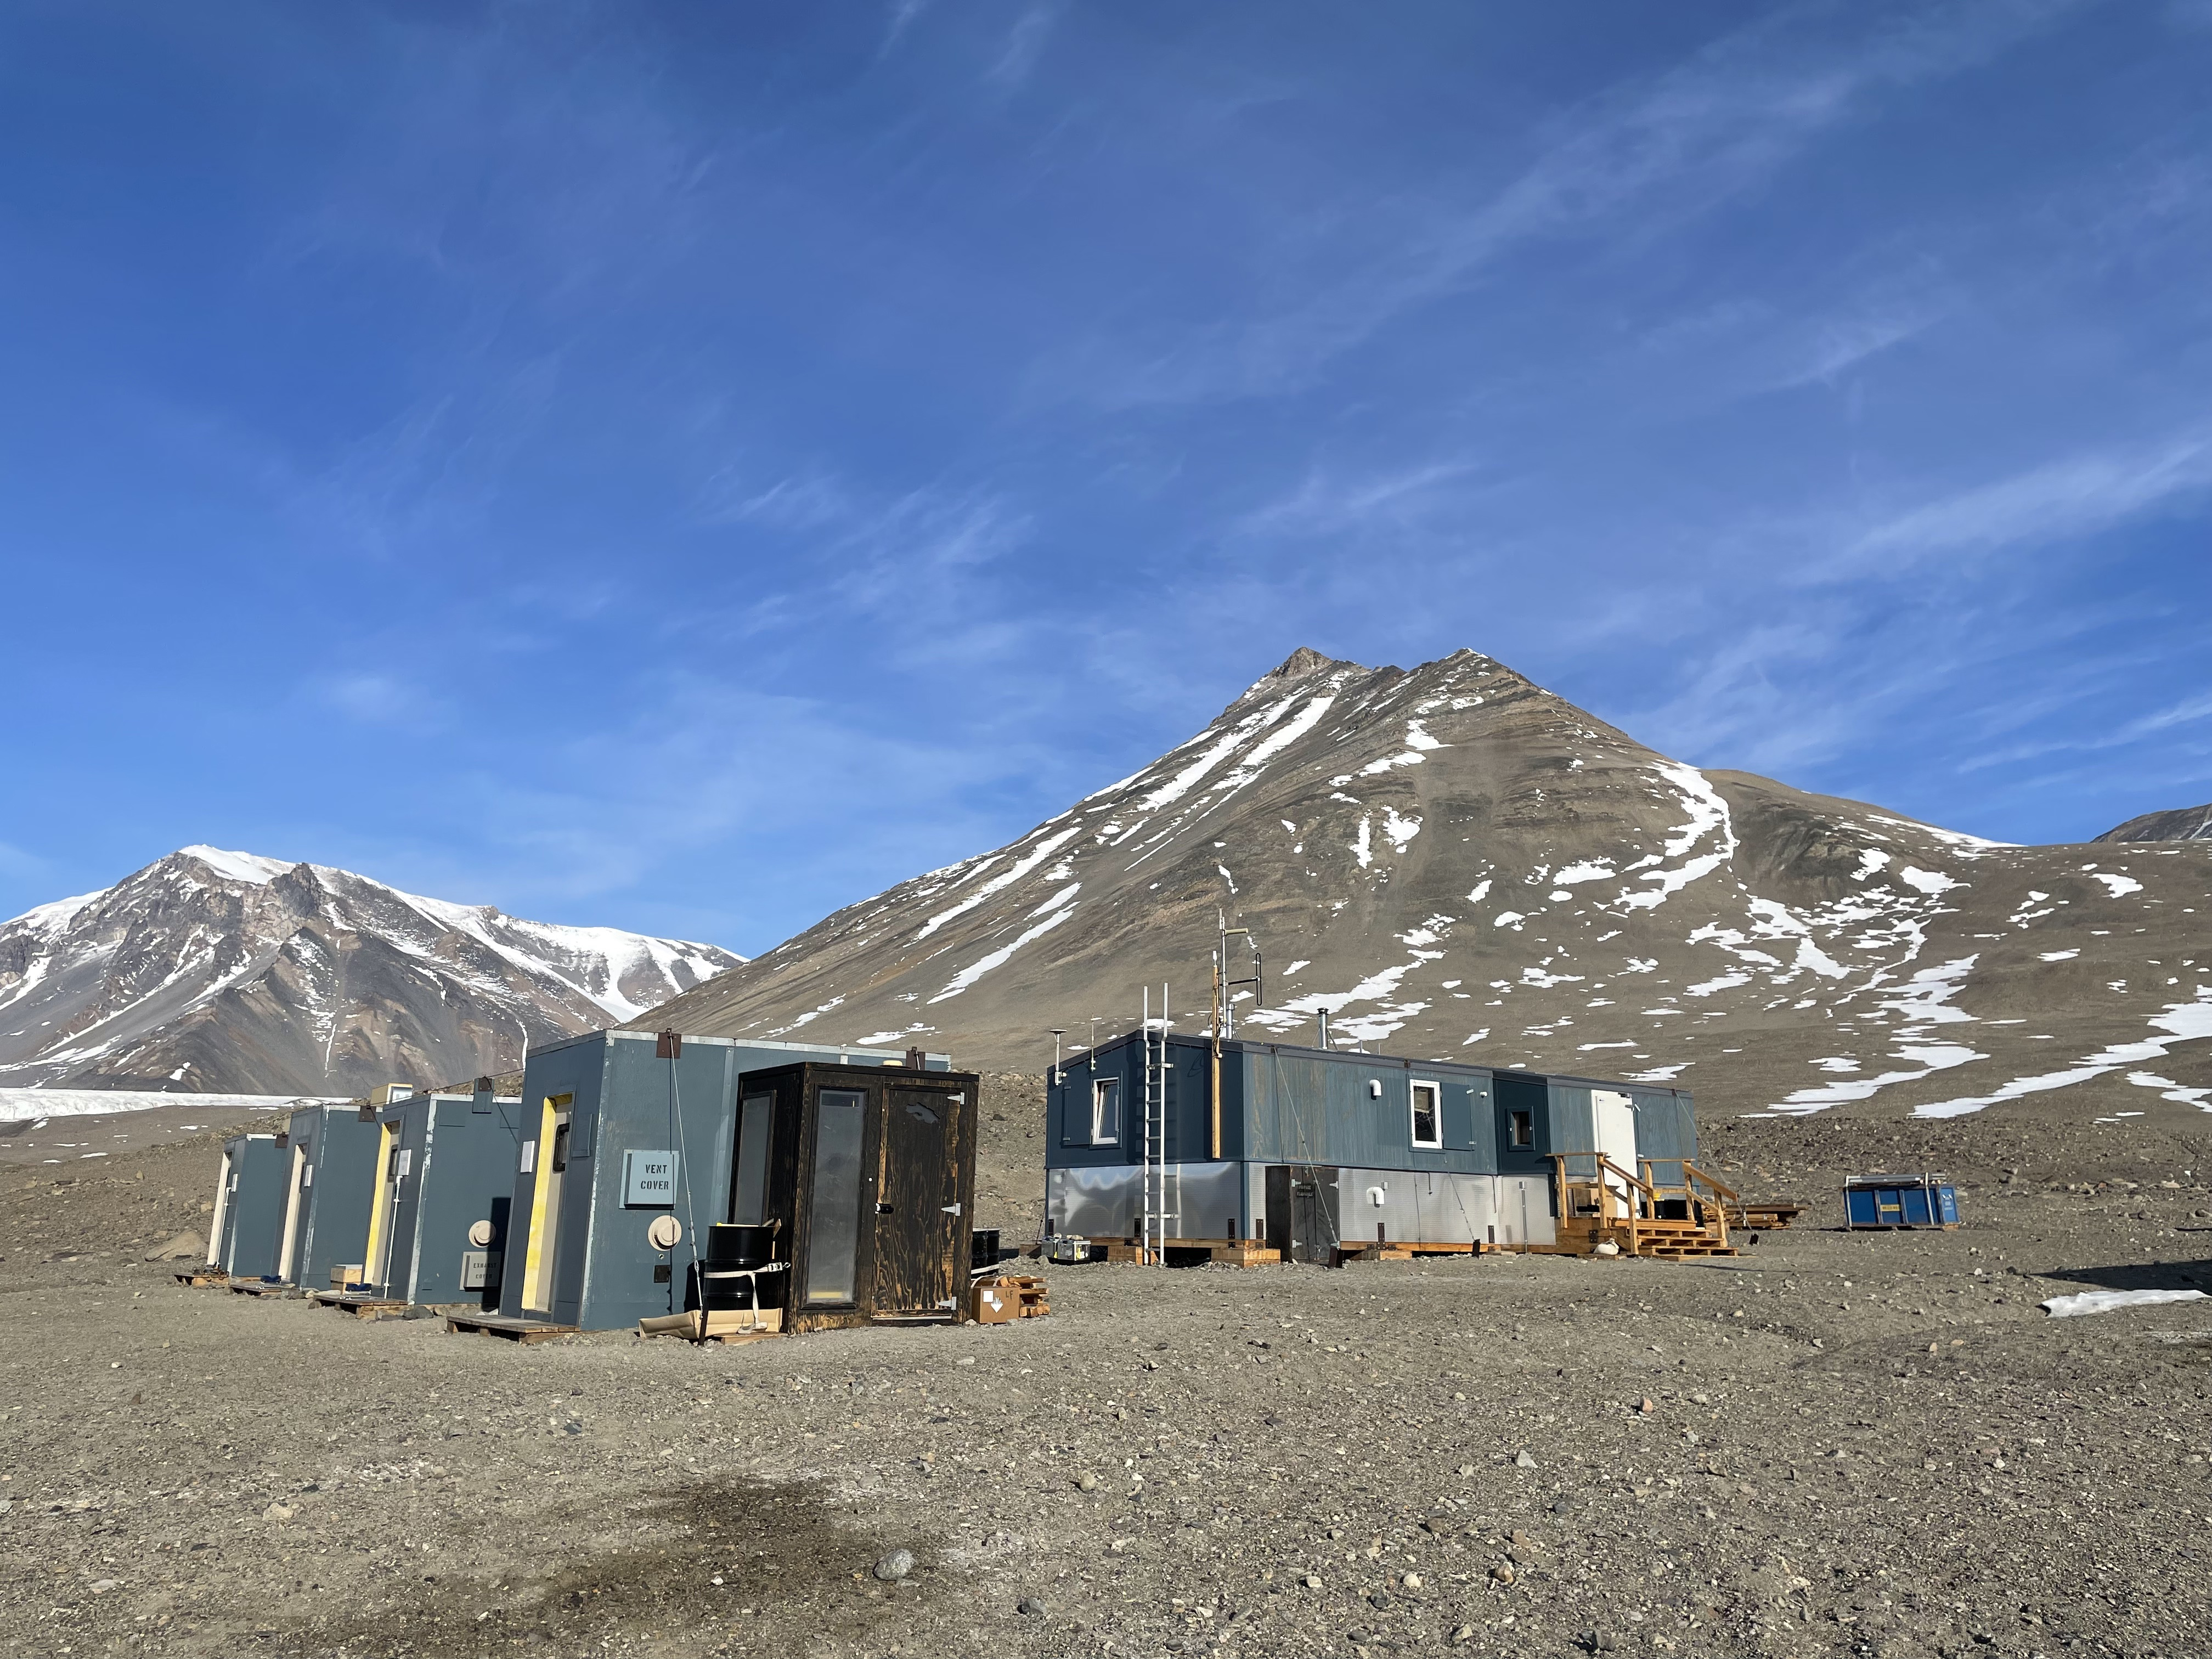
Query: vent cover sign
point(648, 1181)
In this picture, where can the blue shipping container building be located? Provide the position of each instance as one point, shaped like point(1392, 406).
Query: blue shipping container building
point(330, 1161)
point(1367, 1147)
point(619, 1127)
point(247, 1230)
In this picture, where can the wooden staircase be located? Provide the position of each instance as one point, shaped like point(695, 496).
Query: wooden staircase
point(1601, 1203)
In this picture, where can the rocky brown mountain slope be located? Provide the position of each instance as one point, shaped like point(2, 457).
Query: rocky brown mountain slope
point(1454, 861)
point(2181, 824)
point(210, 971)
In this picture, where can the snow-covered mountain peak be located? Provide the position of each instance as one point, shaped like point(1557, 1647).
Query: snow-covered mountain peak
point(215, 969)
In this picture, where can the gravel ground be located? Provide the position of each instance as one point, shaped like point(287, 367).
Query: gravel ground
point(1832, 1444)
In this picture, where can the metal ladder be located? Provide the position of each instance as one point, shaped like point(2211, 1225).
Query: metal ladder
point(1158, 1178)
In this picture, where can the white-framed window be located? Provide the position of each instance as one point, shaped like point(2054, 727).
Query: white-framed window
point(1428, 1112)
point(1106, 1111)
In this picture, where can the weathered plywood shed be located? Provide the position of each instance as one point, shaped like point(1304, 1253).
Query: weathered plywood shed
point(620, 1129)
point(247, 1228)
point(444, 1181)
point(1318, 1149)
point(867, 1176)
point(330, 1170)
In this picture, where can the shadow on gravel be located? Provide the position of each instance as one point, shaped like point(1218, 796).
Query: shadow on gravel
point(2139, 1276)
point(788, 1571)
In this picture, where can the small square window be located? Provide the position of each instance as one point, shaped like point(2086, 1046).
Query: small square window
point(1524, 1129)
point(1106, 1111)
point(1428, 1115)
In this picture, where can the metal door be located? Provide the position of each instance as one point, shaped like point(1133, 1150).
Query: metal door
point(918, 1224)
point(1612, 1117)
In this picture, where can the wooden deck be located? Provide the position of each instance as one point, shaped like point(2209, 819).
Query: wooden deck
point(361, 1306)
point(200, 1277)
point(261, 1287)
point(525, 1331)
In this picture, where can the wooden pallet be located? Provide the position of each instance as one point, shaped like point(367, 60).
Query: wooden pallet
point(260, 1287)
point(1009, 1296)
point(525, 1331)
point(731, 1327)
point(1405, 1250)
point(361, 1306)
point(1763, 1218)
point(200, 1277)
point(1190, 1252)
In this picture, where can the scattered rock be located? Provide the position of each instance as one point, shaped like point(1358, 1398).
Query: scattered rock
point(185, 1247)
point(895, 1566)
point(1503, 1572)
point(1086, 1481)
point(278, 1512)
point(1522, 1461)
point(1029, 1608)
point(1464, 1633)
point(1411, 1581)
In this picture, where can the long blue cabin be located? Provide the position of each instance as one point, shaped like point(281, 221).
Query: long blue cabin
point(1405, 1148)
point(615, 1132)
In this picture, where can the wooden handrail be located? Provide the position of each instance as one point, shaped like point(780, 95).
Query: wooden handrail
point(1691, 1172)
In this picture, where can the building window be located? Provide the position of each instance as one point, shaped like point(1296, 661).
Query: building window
point(1524, 1129)
point(1106, 1111)
point(1428, 1115)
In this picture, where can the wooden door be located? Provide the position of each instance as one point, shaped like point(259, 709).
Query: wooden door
point(918, 1233)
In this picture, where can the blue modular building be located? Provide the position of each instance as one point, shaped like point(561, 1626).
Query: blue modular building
point(245, 1234)
point(620, 1129)
point(444, 1178)
point(1317, 1147)
point(329, 1161)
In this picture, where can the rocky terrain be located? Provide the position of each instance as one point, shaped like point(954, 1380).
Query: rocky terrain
point(1453, 861)
point(1831, 1443)
point(216, 972)
point(2181, 824)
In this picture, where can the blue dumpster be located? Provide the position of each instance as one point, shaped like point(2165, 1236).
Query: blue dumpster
point(1891, 1201)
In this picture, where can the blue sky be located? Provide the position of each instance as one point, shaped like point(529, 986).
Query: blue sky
point(687, 466)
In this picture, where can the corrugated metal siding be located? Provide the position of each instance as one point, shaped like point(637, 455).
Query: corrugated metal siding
point(1302, 1106)
point(1666, 1132)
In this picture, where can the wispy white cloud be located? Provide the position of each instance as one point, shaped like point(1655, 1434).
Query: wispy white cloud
point(1649, 154)
point(1329, 503)
point(2071, 496)
point(382, 699)
point(1024, 44)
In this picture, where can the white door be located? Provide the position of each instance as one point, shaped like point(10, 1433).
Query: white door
point(1613, 1115)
